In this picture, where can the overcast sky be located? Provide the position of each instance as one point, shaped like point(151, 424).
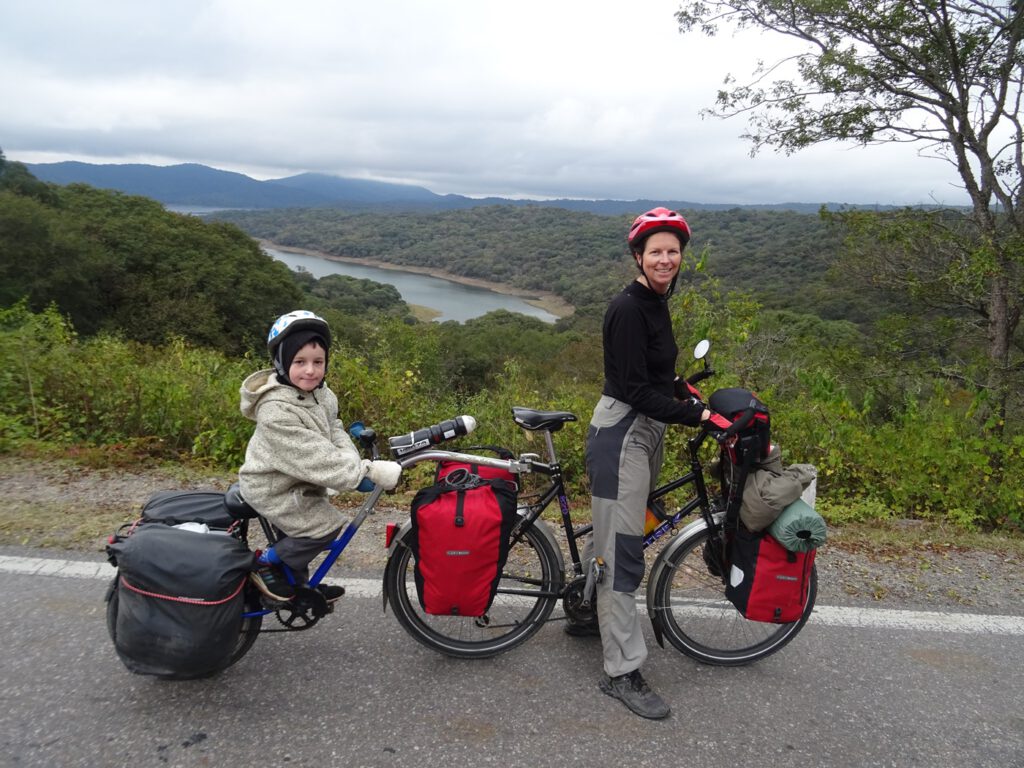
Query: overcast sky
point(532, 98)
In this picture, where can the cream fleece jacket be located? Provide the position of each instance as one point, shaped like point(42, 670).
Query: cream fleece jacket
point(298, 450)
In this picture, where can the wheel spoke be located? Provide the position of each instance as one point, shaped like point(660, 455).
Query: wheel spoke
point(696, 617)
point(526, 595)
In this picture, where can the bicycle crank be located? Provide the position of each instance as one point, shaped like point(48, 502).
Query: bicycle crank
point(573, 602)
point(304, 610)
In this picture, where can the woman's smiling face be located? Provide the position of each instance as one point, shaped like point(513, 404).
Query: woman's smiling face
point(660, 260)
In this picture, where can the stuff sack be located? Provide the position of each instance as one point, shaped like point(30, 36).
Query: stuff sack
point(179, 599)
point(459, 535)
point(767, 582)
point(799, 528)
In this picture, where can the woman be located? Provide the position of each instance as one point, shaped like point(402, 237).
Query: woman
point(625, 445)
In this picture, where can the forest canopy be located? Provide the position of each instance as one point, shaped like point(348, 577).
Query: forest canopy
point(169, 313)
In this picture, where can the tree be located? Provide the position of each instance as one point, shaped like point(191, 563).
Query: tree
point(16, 178)
point(948, 74)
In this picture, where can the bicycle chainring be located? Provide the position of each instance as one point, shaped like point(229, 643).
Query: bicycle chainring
point(304, 610)
point(572, 602)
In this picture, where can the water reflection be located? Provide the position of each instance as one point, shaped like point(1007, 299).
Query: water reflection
point(453, 300)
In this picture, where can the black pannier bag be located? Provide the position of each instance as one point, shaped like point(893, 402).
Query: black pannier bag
point(180, 599)
point(461, 527)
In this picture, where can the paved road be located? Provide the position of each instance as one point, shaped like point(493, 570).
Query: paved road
point(874, 688)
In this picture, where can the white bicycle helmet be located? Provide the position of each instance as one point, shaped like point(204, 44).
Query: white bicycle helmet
point(289, 324)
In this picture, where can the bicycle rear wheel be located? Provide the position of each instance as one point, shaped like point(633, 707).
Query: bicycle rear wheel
point(527, 593)
point(698, 620)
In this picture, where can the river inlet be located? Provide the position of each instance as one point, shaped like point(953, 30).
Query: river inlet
point(450, 300)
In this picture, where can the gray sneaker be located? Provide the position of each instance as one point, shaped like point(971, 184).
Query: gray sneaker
point(633, 691)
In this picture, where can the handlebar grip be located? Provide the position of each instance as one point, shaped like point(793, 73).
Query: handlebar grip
point(699, 376)
point(721, 428)
point(742, 423)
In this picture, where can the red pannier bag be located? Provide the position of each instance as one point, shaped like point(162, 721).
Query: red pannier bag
point(766, 581)
point(460, 534)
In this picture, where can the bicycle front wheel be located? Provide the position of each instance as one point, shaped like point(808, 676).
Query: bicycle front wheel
point(529, 588)
point(698, 620)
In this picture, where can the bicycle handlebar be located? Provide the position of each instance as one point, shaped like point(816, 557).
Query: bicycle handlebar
point(722, 429)
point(742, 423)
point(515, 466)
point(699, 376)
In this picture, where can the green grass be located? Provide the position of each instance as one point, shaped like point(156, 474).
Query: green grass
point(32, 516)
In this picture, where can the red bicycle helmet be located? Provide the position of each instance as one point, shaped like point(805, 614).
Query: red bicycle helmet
point(658, 220)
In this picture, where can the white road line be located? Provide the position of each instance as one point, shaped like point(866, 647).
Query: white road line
point(71, 569)
point(824, 615)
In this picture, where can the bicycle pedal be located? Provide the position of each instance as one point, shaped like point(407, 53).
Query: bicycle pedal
point(271, 604)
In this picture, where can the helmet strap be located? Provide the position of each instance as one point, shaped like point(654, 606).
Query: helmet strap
point(282, 374)
point(671, 287)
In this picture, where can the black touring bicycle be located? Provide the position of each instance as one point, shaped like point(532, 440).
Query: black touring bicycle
point(685, 590)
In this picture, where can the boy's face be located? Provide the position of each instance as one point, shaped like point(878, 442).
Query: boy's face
point(308, 367)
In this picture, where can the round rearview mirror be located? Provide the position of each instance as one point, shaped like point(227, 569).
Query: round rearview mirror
point(701, 349)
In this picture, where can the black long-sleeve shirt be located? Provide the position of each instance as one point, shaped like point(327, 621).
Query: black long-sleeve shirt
point(640, 356)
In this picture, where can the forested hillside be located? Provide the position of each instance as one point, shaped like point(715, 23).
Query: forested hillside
point(781, 257)
point(127, 328)
point(123, 264)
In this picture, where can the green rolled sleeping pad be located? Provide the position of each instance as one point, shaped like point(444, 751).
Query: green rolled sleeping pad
point(799, 528)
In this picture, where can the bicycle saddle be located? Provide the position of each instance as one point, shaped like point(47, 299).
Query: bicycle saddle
point(238, 507)
point(528, 418)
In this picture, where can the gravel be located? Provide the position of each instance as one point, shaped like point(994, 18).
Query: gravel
point(939, 577)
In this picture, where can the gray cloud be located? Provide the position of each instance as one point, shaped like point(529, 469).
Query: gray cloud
point(534, 99)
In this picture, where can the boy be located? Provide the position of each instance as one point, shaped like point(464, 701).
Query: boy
point(298, 451)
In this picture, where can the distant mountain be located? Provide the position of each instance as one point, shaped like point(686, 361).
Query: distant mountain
point(188, 184)
point(338, 189)
point(199, 186)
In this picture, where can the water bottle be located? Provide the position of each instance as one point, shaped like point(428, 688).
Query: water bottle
point(654, 516)
point(432, 435)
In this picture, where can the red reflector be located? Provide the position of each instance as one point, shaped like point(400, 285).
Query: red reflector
point(389, 534)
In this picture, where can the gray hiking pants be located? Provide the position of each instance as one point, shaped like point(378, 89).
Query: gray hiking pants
point(298, 552)
point(624, 456)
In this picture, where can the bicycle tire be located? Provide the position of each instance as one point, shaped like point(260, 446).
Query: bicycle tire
point(697, 618)
point(247, 634)
point(532, 565)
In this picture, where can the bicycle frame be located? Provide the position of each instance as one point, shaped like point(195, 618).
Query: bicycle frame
point(556, 490)
point(525, 464)
point(700, 501)
point(335, 549)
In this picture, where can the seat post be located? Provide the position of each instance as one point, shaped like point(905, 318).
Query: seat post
point(551, 447)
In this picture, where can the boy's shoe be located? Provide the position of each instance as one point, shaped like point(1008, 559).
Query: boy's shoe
point(271, 581)
point(331, 592)
point(633, 691)
point(582, 628)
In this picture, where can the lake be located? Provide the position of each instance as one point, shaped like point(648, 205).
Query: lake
point(454, 301)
